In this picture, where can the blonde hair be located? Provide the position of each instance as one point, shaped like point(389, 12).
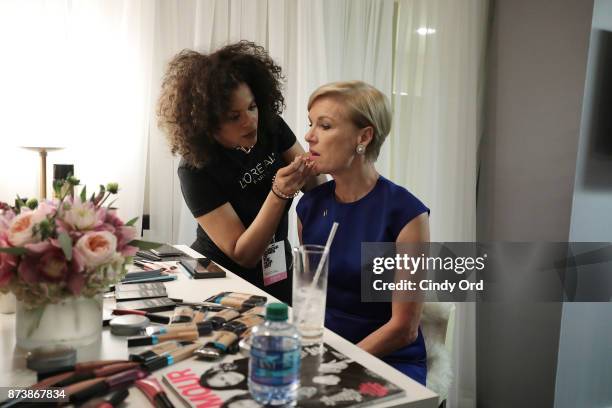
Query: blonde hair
point(365, 105)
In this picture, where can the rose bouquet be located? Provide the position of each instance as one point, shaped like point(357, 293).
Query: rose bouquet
point(69, 246)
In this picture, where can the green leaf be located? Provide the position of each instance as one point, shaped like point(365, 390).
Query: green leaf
point(144, 245)
point(14, 250)
point(84, 194)
point(131, 222)
point(66, 244)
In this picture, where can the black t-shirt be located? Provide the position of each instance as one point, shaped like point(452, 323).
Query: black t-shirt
point(243, 180)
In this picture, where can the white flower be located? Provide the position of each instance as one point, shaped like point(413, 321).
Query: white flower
point(81, 215)
point(21, 228)
point(97, 248)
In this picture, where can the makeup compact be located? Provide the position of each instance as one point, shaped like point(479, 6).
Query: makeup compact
point(49, 359)
point(128, 325)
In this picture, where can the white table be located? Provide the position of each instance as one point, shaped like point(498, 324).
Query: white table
point(13, 371)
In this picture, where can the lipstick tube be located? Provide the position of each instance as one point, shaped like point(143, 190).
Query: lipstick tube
point(79, 367)
point(115, 399)
point(154, 392)
point(111, 383)
point(97, 373)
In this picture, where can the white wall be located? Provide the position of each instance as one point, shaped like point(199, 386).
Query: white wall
point(584, 370)
point(537, 62)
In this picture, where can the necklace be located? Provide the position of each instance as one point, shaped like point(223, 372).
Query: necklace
point(245, 150)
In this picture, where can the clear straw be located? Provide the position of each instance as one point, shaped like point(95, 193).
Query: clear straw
point(311, 290)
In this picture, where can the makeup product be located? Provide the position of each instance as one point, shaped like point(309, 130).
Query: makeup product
point(240, 301)
point(78, 387)
point(227, 339)
point(205, 270)
point(166, 250)
point(114, 401)
point(144, 274)
point(243, 323)
point(160, 278)
point(152, 317)
point(111, 383)
point(50, 359)
point(257, 310)
point(171, 358)
point(223, 317)
point(156, 351)
point(182, 315)
point(168, 266)
point(181, 335)
point(147, 266)
point(129, 325)
point(148, 305)
point(45, 378)
point(97, 373)
point(148, 255)
point(204, 328)
point(140, 294)
point(130, 287)
point(47, 382)
point(154, 392)
point(200, 315)
point(209, 306)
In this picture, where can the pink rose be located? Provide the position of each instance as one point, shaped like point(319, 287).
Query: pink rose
point(97, 248)
point(21, 228)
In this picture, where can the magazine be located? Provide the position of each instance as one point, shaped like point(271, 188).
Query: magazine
point(328, 379)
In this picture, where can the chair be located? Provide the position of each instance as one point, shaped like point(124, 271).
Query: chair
point(438, 326)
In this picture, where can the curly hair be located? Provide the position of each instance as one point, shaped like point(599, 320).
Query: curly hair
point(197, 90)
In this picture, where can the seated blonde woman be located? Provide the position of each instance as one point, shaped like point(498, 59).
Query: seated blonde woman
point(349, 122)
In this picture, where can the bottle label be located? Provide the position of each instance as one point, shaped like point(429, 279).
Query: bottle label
point(273, 367)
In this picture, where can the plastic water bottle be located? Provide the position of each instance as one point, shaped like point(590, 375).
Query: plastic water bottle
point(274, 367)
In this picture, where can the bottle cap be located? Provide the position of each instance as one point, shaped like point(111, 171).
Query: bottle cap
point(277, 312)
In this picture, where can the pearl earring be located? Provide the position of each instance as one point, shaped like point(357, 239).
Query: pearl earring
point(360, 149)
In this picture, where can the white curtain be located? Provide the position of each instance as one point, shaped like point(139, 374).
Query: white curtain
point(437, 99)
point(76, 74)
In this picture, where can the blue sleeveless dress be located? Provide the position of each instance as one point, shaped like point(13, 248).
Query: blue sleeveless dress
point(377, 217)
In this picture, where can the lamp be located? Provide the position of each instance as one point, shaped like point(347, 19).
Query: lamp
point(42, 151)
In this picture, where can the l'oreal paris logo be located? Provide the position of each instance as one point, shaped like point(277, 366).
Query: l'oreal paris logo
point(257, 173)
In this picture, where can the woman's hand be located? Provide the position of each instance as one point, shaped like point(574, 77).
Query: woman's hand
point(291, 178)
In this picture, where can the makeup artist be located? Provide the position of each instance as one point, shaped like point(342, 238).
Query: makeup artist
point(241, 164)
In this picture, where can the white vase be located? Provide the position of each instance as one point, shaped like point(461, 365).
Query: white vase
point(8, 303)
point(75, 321)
